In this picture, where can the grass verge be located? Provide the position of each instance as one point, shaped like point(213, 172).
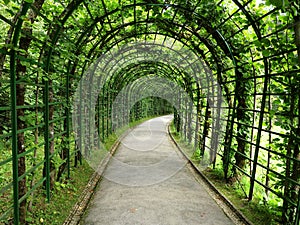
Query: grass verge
point(66, 194)
point(255, 211)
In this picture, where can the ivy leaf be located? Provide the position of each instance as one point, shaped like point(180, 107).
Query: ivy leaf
point(266, 53)
point(279, 3)
point(6, 2)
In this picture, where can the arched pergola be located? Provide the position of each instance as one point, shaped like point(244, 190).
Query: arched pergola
point(243, 52)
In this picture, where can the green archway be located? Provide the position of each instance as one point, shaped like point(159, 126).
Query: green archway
point(251, 47)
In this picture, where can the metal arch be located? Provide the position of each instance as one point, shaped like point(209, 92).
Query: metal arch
point(158, 44)
point(165, 70)
point(134, 5)
point(132, 70)
point(249, 18)
point(196, 78)
point(74, 4)
point(58, 32)
point(99, 19)
point(194, 47)
point(263, 101)
point(55, 35)
point(223, 39)
point(141, 73)
point(168, 35)
point(203, 56)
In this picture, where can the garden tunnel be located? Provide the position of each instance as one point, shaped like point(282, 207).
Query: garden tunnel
point(245, 52)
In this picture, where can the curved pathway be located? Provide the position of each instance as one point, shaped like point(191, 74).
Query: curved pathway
point(148, 182)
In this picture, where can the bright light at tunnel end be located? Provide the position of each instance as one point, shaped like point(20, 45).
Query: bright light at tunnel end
point(94, 84)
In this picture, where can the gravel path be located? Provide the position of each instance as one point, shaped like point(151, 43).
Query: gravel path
point(148, 182)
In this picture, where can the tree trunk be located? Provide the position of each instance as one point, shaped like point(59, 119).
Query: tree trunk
point(205, 128)
point(63, 156)
point(21, 148)
point(294, 192)
point(240, 160)
point(36, 141)
point(24, 44)
point(295, 189)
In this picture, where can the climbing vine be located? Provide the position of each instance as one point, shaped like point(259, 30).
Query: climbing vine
point(251, 48)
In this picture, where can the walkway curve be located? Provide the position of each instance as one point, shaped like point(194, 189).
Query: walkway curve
point(158, 197)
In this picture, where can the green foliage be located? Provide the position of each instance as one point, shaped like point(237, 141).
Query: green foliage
point(196, 155)
point(278, 3)
point(255, 38)
point(65, 195)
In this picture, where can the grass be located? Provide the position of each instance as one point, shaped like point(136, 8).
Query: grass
point(66, 194)
point(256, 211)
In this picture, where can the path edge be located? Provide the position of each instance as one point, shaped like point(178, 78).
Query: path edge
point(217, 195)
point(78, 210)
point(81, 205)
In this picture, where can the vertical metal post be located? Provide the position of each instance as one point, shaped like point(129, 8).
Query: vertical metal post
point(80, 124)
point(179, 114)
point(98, 118)
point(196, 135)
point(68, 123)
point(217, 129)
point(14, 128)
point(185, 120)
point(189, 130)
point(102, 102)
point(205, 128)
point(110, 112)
point(297, 218)
point(90, 132)
point(227, 147)
point(260, 124)
point(46, 137)
point(14, 135)
point(107, 113)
